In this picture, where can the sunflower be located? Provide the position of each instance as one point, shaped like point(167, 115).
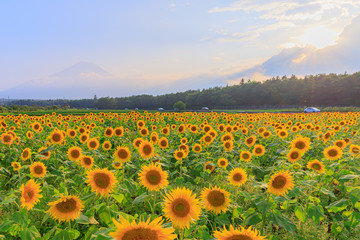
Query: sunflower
point(354, 149)
point(215, 199)
point(222, 162)
point(142, 230)
point(84, 137)
point(106, 145)
point(316, 165)
point(56, 137)
point(340, 143)
point(119, 131)
point(122, 154)
point(66, 208)
point(179, 155)
point(137, 142)
point(117, 165)
point(238, 234)
point(38, 170)
point(163, 143)
point(333, 153)
point(71, 133)
point(93, 144)
point(283, 133)
point(102, 181)
point(7, 138)
point(266, 134)
point(245, 156)
point(153, 177)
point(209, 166)
point(294, 155)
point(26, 154)
point(228, 145)
point(29, 134)
point(109, 131)
point(146, 149)
point(87, 162)
point(165, 130)
point(280, 183)
point(250, 140)
point(16, 166)
point(30, 194)
point(74, 154)
point(154, 137)
point(259, 150)
point(301, 143)
point(181, 207)
point(197, 148)
point(237, 177)
point(43, 153)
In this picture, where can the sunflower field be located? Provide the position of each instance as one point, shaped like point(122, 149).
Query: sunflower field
point(160, 176)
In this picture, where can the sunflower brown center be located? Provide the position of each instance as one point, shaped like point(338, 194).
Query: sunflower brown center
point(316, 166)
point(108, 132)
point(38, 169)
point(153, 177)
point(279, 182)
point(140, 234)
point(75, 153)
point(216, 198)
point(300, 145)
point(163, 143)
point(56, 137)
point(28, 195)
point(180, 207)
point(122, 153)
point(294, 155)
point(102, 180)
point(222, 163)
point(332, 153)
point(258, 150)
point(245, 156)
point(249, 140)
point(239, 237)
point(208, 167)
point(147, 149)
point(67, 206)
point(237, 177)
point(93, 144)
point(180, 154)
point(25, 154)
point(7, 138)
point(87, 161)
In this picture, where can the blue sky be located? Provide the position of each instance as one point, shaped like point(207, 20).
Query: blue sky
point(160, 41)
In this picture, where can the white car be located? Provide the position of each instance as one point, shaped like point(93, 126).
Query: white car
point(205, 108)
point(160, 109)
point(311, 110)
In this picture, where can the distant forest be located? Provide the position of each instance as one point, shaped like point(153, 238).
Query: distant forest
point(312, 90)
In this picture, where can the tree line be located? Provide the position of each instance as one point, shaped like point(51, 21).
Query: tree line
point(312, 90)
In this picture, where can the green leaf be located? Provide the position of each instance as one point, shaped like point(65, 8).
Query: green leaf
point(119, 198)
point(327, 192)
point(354, 195)
point(63, 235)
point(283, 222)
point(316, 213)
point(142, 198)
point(20, 218)
point(300, 213)
point(253, 219)
point(48, 234)
point(338, 206)
point(349, 177)
point(222, 219)
point(30, 233)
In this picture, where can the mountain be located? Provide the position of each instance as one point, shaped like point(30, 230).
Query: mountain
point(82, 80)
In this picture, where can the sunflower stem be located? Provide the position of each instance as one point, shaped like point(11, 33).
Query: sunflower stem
point(154, 207)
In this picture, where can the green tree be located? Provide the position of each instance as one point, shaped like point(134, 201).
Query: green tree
point(180, 105)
